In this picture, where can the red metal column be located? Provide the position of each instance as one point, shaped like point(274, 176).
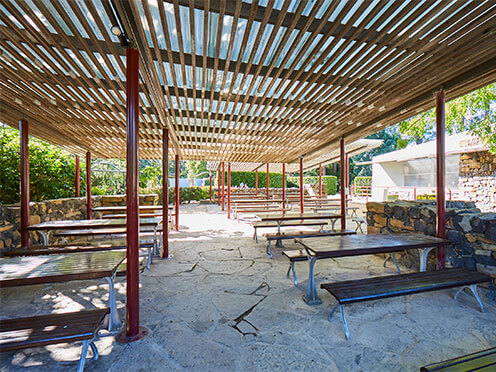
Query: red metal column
point(267, 186)
point(301, 187)
point(228, 190)
point(88, 186)
point(78, 177)
point(133, 330)
point(342, 167)
point(320, 179)
point(177, 192)
point(218, 186)
point(283, 185)
point(165, 192)
point(223, 184)
point(24, 137)
point(256, 182)
point(210, 183)
point(440, 176)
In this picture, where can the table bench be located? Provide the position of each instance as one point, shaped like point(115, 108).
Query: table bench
point(375, 288)
point(36, 331)
point(480, 361)
point(271, 224)
point(287, 235)
point(359, 221)
point(337, 209)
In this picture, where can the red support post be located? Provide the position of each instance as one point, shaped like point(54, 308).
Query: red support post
point(165, 192)
point(78, 177)
point(267, 186)
point(223, 184)
point(228, 190)
point(177, 193)
point(218, 186)
point(24, 137)
point(301, 187)
point(133, 330)
point(88, 186)
point(342, 167)
point(256, 182)
point(440, 177)
point(210, 183)
point(283, 185)
point(320, 180)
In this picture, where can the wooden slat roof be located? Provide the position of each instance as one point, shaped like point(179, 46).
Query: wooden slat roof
point(240, 81)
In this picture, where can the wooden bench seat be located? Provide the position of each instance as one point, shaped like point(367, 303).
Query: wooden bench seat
point(351, 291)
point(480, 361)
point(36, 331)
point(285, 235)
point(271, 224)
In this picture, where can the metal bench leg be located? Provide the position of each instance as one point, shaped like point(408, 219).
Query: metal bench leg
point(473, 288)
point(255, 237)
point(268, 250)
point(332, 224)
point(113, 317)
point(424, 252)
point(149, 260)
point(395, 263)
point(94, 349)
point(333, 311)
point(311, 298)
point(84, 352)
point(345, 324)
point(44, 237)
point(279, 244)
point(292, 268)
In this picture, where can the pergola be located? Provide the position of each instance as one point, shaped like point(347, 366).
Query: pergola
point(233, 81)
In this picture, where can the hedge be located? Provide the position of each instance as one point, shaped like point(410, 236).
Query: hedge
point(248, 179)
point(359, 182)
point(186, 194)
point(329, 181)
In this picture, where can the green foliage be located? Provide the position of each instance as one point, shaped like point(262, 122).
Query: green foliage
point(329, 181)
point(474, 112)
point(186, 194)
point(51, 169)
point(248, 179)
point(98, 190)
point(360, 182)
point(109, 176)
point(150, 176)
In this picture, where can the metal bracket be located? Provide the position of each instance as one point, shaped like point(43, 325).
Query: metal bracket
point(473, 288)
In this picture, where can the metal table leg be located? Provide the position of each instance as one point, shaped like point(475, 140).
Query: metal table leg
point(311, 297)
point(113, 317)
point(345, 323)
point(84, 352)
point(473, 288)
point(424, 252)
point(292, 268)
point(44, 237)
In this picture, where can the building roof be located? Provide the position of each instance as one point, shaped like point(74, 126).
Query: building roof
point(240, 81)
point(455, 144)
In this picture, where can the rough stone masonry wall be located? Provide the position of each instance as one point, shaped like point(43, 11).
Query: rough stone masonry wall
point(54, 210)
point(472, 233)
point(478, 178)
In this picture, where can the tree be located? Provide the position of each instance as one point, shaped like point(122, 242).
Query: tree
point(474, 112)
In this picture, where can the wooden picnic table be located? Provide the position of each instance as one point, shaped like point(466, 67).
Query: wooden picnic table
point(58, 268)
point(279, 218)
point(123, 208)
point(45, 228)
point(357, 245)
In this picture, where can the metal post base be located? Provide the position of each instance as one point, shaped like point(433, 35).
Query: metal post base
point(473, 288)
point(112, 318)
point(292, 268)
point(311, 298)
point(392, 258)
point(424, 252)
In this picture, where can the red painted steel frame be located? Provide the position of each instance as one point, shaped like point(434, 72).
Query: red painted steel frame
point(342, 167)
point(24, 134)
point(283, 185)
point(301, 186)
point(228, 190)
point(78, 177)
point(320, 179)
point(223, 184)
point(440, 177)
point(177, 199)
point(347, 172)
point(88, 186)
point(256, 182)
point(267, 186)
point(165, 192)
point(133, 331)
point(218, 187)
point(210, 183)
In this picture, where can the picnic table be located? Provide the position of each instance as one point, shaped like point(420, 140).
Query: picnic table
point(280, 218)
point(357, 245)
point(45, 228)
point(58, 268)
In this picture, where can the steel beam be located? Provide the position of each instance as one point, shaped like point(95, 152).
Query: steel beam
point(229, 190)
point(88, 186)
point(24, 137)
point(320, 179)
point(256, 182)
point(177, 192)
point(78, 177)
point(440, 177)
point(301, 187)
point(267, 186)
point(223, 184)
point(165, 192)
point(342, 167)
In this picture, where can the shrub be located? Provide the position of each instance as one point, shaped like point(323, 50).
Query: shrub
point(186, 194)
point(360, 182)
point(329, 181)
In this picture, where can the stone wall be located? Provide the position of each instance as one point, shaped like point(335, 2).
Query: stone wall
point(54, 210)
point(472, 233)
point(478, 178)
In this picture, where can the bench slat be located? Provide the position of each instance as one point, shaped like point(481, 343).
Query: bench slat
point(397, 285)
point(305, 234)
point(291, 223)
point(49, 329)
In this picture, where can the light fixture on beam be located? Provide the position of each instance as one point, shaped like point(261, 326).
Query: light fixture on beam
point(116, 31)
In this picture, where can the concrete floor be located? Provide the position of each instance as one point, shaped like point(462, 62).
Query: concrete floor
point(220, 304)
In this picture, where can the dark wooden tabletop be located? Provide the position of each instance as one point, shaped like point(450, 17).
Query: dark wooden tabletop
point(118, 208)
point(89, 224)
point(27, 270)
point(356, 245)
point(297, 216)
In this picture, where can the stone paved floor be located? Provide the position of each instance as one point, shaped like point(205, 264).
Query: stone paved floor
point(219, 304)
